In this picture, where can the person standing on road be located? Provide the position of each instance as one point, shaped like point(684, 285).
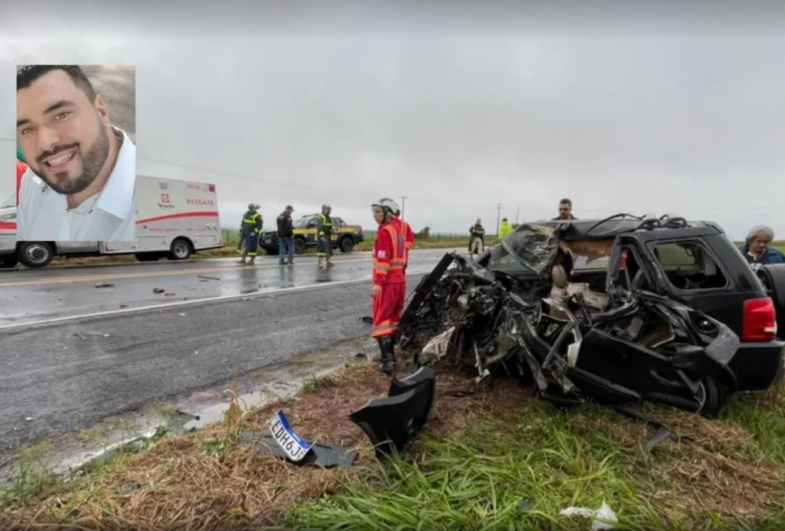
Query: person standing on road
point(389, 282)
point(286, 235)
point(408, 238)
point(252, 226)
point(477, 237)
point(757, 248)
point(505, 229)
point(404, 229)
point(242, 238)
point(324, 236)
point(565, 210)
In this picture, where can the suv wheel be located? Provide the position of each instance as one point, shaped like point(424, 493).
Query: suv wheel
point(300, 246)
point(35, 254)
point(712, 397)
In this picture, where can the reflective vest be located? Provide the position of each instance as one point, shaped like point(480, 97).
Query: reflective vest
point(506, 228)
point(252, 221)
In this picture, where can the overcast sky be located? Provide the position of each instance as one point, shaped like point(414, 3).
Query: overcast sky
point(675, 111)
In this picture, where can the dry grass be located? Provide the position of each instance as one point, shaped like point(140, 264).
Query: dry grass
point(206, 481)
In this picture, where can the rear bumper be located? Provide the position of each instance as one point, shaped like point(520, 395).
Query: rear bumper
point(758, 365)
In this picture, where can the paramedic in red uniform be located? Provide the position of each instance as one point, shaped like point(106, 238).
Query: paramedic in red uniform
point(389, 283)
point(404, 229)
point(408, 234)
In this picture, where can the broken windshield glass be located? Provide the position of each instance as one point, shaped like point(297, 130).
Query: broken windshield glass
point(532, 246)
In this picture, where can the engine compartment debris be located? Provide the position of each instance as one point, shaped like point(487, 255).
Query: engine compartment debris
point(573, 340)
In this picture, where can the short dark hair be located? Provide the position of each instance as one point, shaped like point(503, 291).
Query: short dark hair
point(26, 75)
point(565, 201)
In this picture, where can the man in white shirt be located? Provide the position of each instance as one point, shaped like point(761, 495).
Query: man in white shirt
point(80, 182)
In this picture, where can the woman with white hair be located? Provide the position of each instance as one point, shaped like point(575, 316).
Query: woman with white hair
point(758, 248)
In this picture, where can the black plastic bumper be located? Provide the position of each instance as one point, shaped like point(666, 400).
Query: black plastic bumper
point(758, 365)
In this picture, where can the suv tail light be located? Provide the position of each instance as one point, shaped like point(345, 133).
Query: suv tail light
point(759, 320)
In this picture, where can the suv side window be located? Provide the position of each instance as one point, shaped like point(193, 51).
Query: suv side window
point(337, 223)
point(689, 266)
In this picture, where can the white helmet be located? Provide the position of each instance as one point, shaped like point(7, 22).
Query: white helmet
point(387, 203)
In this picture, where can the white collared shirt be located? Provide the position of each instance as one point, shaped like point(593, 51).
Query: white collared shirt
point(108, 216)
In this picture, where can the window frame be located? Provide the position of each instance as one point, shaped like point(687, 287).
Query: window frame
point(653, 244)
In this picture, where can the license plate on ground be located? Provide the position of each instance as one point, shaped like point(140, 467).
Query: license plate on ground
point(292, 444)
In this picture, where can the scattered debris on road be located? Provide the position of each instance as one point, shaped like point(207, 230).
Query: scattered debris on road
point(574, 342)
point(203, 277)
point(158, 290)
point(105, 285)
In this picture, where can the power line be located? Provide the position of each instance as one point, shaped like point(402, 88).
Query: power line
point(300, 186)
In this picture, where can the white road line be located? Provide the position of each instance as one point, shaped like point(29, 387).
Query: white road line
point(179, 304)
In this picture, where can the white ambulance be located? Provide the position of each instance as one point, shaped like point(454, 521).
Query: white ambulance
point(174, 219)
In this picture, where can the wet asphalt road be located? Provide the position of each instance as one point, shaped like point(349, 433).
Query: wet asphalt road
point(37, 295)
point(62, 376)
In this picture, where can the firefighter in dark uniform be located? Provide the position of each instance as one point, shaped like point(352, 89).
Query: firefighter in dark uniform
point(252, 226)
point(324, 234)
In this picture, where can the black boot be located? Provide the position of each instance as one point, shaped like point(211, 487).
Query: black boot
point(387, 348)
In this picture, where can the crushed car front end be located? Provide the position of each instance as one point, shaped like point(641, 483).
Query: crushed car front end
point(572, 342)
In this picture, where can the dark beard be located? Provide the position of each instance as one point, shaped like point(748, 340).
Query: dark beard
point(93, 159)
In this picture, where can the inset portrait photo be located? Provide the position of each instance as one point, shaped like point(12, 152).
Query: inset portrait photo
point(75, 129)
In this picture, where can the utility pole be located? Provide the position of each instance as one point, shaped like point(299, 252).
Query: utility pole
point(498, 218)
point(403, 206)
point(517, 212)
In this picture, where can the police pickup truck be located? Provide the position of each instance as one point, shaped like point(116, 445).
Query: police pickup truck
point(344, 237)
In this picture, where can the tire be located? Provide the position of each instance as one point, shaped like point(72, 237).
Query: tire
point(716, 395)
point(181, 250)
point(148, 257)
point(300, 246)
point(347, 245)
point(35, 254)
point(9, 261)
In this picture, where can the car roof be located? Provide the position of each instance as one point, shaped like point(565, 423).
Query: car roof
point(610, 227)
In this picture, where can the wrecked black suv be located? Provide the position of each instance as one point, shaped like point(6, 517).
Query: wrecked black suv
point(617, 310)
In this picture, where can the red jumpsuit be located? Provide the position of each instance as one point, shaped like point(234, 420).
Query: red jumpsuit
point(389, 260)
point(408, 236)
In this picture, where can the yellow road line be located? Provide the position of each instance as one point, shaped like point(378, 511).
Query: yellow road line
point(119, 276)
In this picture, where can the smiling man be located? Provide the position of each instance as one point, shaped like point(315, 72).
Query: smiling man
point(81, 174)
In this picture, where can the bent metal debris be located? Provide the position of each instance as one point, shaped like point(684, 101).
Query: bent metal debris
point(573, 342)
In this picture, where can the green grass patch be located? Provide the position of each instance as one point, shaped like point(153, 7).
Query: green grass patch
point(763, 416)
point(519, 473)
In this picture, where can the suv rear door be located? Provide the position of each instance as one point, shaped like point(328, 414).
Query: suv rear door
point(694, 273)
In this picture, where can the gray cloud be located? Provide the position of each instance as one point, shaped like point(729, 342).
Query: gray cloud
point(643, 111)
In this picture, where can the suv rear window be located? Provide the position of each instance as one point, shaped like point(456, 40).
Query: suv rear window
point(689, 266)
